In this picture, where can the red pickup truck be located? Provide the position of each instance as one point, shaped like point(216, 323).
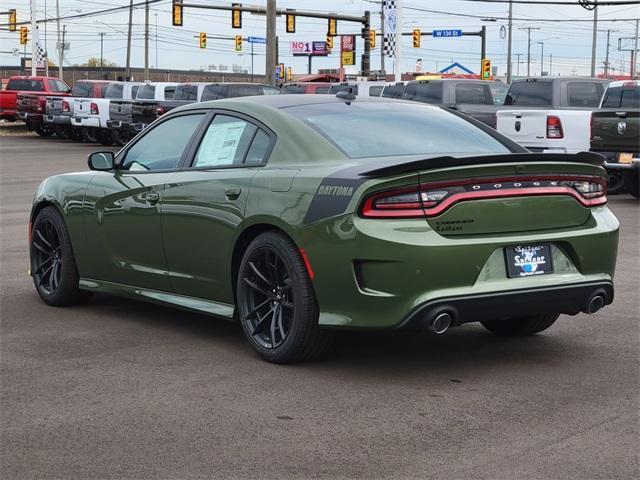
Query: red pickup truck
point(40, 86)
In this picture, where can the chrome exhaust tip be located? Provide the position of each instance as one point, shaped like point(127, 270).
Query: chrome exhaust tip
point(441, 323)
point(595, 304)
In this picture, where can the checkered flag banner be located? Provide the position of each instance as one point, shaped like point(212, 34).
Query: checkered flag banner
point(40, 52)
point(390, 25)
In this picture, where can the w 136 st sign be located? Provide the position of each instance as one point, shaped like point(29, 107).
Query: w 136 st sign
point(309, 48)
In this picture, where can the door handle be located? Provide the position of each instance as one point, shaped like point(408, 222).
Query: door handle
point(232, 193)
point(152, 198)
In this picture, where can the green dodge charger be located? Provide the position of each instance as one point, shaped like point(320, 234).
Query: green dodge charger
point(297, 215)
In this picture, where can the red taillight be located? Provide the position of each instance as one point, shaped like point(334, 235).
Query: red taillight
point(160, 111)
point(554, 127)
point(65, 106)
point(94, 109)
point(430, 200)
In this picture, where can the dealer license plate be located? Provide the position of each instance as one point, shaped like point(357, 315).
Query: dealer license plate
point(625, 157)
point(528, 260)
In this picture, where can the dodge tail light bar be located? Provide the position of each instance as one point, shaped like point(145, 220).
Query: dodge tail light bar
point(432, 199)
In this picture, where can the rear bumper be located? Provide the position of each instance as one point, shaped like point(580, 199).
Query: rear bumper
point(85, 122)
point(569, 299)
point(633, 166)
point(31, 117)
point(58, 119)
point(8, 114)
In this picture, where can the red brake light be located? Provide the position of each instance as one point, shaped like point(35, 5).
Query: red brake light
point(430, 200)
point(94, 109)
point(65, 106)
point(160, 110)
point(554, 127)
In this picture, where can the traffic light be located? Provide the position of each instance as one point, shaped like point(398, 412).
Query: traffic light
point(203, 40)
point(24, 35)
point(486, 69)
point(177, 13)
point(417, 38)
point(289, 76)
point(291, 21)
point(332, 30)
point(329, 42)
point(236, 16)
point(372, 38)
point(281, 70)
point(238, 43)
point(13, 19)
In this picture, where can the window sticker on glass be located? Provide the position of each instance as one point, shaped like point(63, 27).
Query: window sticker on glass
point(220, 144)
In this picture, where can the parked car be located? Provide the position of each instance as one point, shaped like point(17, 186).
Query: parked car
point(300, 214)
point(145, 112)
point(360, 89)
point(615, 133)
point(59, 110)
point(39, 86)
point(91, 114)
point(120, 120)
point(306, 87)
point(551, 114)
point(475, 98)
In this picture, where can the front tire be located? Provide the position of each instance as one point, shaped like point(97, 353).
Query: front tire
point(44, 130)
point(53, 266)
point(276, 302)
point(520, 327)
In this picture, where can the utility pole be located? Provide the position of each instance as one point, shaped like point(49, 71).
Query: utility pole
point(510, 44)
point(528, 29)
point(46, 50)
point(550, 63)
point(101, 52)
point(399, 21)
point(383, 74)
point(518, 55)
point(594, 40)
point(272, 41)
point(156, 40)
point(366, 57)
point(128, 67)
point(34, 34)
point(59, 45)
point(146, 40)
point(541, 59)
point(607, 65)
point(634, 66)
point(64, 36)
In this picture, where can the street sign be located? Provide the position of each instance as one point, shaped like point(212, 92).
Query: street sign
point(309, 48)
point(447, 33)
point(348, 58)
point(348, 49)
point(256, 40)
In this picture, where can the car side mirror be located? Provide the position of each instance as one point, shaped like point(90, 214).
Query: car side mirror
point(101, 161)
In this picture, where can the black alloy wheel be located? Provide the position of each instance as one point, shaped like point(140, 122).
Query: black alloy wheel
point(53, 265)
point(276, 302)
point(47, 257)
point(62, 131)
point(269, 298)
point(44, 130)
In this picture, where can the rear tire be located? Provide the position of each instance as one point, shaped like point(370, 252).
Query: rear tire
point(75, 134)
point(89, 134)
point(105, 137)
point(632, 183)
point(615, 182)
point(276, 302)
point(520, 327)
point(119, 137)
point(44, 129)
point(53, 266)
point(62, 131)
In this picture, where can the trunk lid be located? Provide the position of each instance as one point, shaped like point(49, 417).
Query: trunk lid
point(120, 110)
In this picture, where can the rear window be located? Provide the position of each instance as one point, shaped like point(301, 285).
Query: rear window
point(81, 89)
point(471, 93)
point(530, 94)
point(498, 92)
point(612, 97)
point(269, 90)
point(186, 92)
point(114, 90)
point(169, 92)
point(376, 91)
point(321, 90)
point(26, 85)
point(631, 98)
point(583, 94)
point(423, 92)
point(407, 129)
point(342, 87)
point(393, 91)
point(214, 92)
point(292, 88)
point(146, 92)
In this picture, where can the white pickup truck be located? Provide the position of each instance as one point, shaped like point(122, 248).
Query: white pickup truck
point(92, 114)
point(550, 114)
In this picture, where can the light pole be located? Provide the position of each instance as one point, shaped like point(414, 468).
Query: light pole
point(156, 39)
point(541, 58)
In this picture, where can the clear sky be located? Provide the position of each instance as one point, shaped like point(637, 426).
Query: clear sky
point(568, 42)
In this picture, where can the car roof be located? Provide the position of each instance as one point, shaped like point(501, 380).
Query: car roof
point(625, 83)
point(282, 101)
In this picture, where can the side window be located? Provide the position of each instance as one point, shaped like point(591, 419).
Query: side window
point(470, 93)
point(226, 142)
point(259, 147)
point(134, 91)
point(321, 90)
point(162, 146)
point(612, 98)
point(376, 90)
point(583, 94)
point(631, 98)
point(168, 92)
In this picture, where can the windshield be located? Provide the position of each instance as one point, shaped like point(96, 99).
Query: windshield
point(146, 92)
point(529, 94)
point(372, 129)
point(25, 85)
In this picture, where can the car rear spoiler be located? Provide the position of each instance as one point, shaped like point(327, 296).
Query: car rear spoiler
point(448, 161)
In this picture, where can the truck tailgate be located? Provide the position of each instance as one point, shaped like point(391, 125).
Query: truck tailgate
point(616, 130)
point(526, 127)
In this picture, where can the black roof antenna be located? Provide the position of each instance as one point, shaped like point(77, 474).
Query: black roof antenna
point(346, 94)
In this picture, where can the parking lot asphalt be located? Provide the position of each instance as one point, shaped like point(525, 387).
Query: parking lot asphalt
point(123, 389)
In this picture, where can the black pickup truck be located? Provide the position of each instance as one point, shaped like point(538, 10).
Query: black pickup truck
point(615, 133)
point(479, 99)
